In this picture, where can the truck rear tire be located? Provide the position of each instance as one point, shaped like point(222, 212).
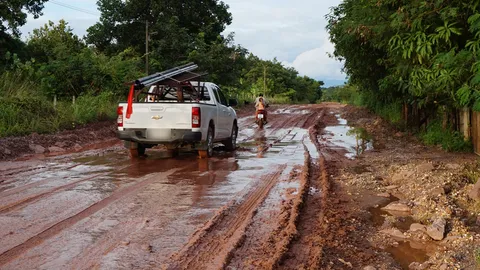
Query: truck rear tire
point(231, 143)
point(209, 151)
point(137, 152)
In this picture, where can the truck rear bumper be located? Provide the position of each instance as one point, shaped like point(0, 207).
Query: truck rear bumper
point(159, 136)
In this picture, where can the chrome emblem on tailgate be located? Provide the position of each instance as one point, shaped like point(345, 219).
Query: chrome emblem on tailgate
point(157, 117)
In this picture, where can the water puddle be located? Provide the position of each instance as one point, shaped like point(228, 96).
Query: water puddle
point(406, 251)
point(354, 140)
point(291, 111)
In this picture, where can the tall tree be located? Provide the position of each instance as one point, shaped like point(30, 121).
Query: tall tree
point(13, 14)
point(173, 26)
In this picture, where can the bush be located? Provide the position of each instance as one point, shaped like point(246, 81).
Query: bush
point(452, 141)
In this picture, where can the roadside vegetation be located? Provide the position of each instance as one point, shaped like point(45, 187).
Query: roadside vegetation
point(86, 76)
point(415, 63)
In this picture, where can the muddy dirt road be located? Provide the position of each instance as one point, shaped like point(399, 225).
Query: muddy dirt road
point(99, 209)
point(295, 195)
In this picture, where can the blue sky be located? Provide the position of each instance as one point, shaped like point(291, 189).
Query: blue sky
point(292, 31)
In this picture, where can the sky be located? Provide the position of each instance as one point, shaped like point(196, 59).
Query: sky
point(292, 31)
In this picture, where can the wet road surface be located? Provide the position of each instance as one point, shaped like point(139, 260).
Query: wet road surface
point(98, 209)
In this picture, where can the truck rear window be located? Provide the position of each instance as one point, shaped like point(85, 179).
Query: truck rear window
point(161, 93)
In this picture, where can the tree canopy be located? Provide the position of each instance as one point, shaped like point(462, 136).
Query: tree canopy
point(64, 65)
point(418, 52)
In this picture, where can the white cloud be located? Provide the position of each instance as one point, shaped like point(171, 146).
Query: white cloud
point(292, 31)
point(316, 63)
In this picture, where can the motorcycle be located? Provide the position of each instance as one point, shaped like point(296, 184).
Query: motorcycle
point(260, 121)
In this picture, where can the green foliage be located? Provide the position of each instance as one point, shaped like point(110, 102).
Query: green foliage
point(410, 51)
point(90, 108)
point(452, 141)
point(360, 134)
point(344, 94)
point(13, 13)
point(16, 84)
point(472, 172)
point(362, 139)
point(25, 115)
point(173, 27)
point(66, 67)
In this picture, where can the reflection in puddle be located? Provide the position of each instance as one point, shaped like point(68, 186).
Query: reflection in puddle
point(406, 252)
point(354, 140)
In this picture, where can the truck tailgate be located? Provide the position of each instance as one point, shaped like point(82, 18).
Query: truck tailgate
point(158, 116)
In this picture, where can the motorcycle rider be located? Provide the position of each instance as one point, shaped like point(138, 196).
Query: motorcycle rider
point(261, 103)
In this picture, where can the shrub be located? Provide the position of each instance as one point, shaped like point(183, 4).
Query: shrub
point(452, 141)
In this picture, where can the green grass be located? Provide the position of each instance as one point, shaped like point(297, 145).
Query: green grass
point(452, 141)
point(280, 100)
point(25, 115)
point(16, 84)
point(391, 112)
point(472, 172)
point(477, 256)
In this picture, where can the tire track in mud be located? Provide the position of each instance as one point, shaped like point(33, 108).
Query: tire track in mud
point(293, 121)
point(25, 201)
point(271, 251)
point(299, 121)
point(212, 245)
point(15, 205)
point(58, 227)
point(268, 252)
point(284, 242)
point(306, 250)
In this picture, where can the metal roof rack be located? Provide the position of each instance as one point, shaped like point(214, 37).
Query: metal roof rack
point(175, 75)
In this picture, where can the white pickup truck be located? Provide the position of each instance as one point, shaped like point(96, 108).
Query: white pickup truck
point(192, 115)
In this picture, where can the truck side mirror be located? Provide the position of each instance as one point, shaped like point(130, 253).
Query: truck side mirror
point(232, 102)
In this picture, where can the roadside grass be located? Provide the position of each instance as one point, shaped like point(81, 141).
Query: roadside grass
point(452, 141)
point(472, 172)
point(25, 115)
point(391, 113)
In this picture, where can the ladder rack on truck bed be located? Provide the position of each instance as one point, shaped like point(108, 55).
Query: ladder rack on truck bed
point(174, 82)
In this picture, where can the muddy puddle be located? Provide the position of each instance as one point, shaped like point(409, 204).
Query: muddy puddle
point(354, 141)
point(405, 252)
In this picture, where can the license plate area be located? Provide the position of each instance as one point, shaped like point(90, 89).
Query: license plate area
point(260, 116)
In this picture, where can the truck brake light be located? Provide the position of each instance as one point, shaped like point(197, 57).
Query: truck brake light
point(196, 117)
point(120, 116)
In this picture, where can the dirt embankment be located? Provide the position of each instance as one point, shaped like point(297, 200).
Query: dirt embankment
point(83, 138)
point(429, 220)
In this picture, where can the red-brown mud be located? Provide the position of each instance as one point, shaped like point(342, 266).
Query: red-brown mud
point(281, 201)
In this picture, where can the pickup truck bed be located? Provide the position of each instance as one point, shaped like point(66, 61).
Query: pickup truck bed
point(195, 123)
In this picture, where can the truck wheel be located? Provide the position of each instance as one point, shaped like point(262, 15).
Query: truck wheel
point(137, 152)
point(209, 152)
point(231, 143)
